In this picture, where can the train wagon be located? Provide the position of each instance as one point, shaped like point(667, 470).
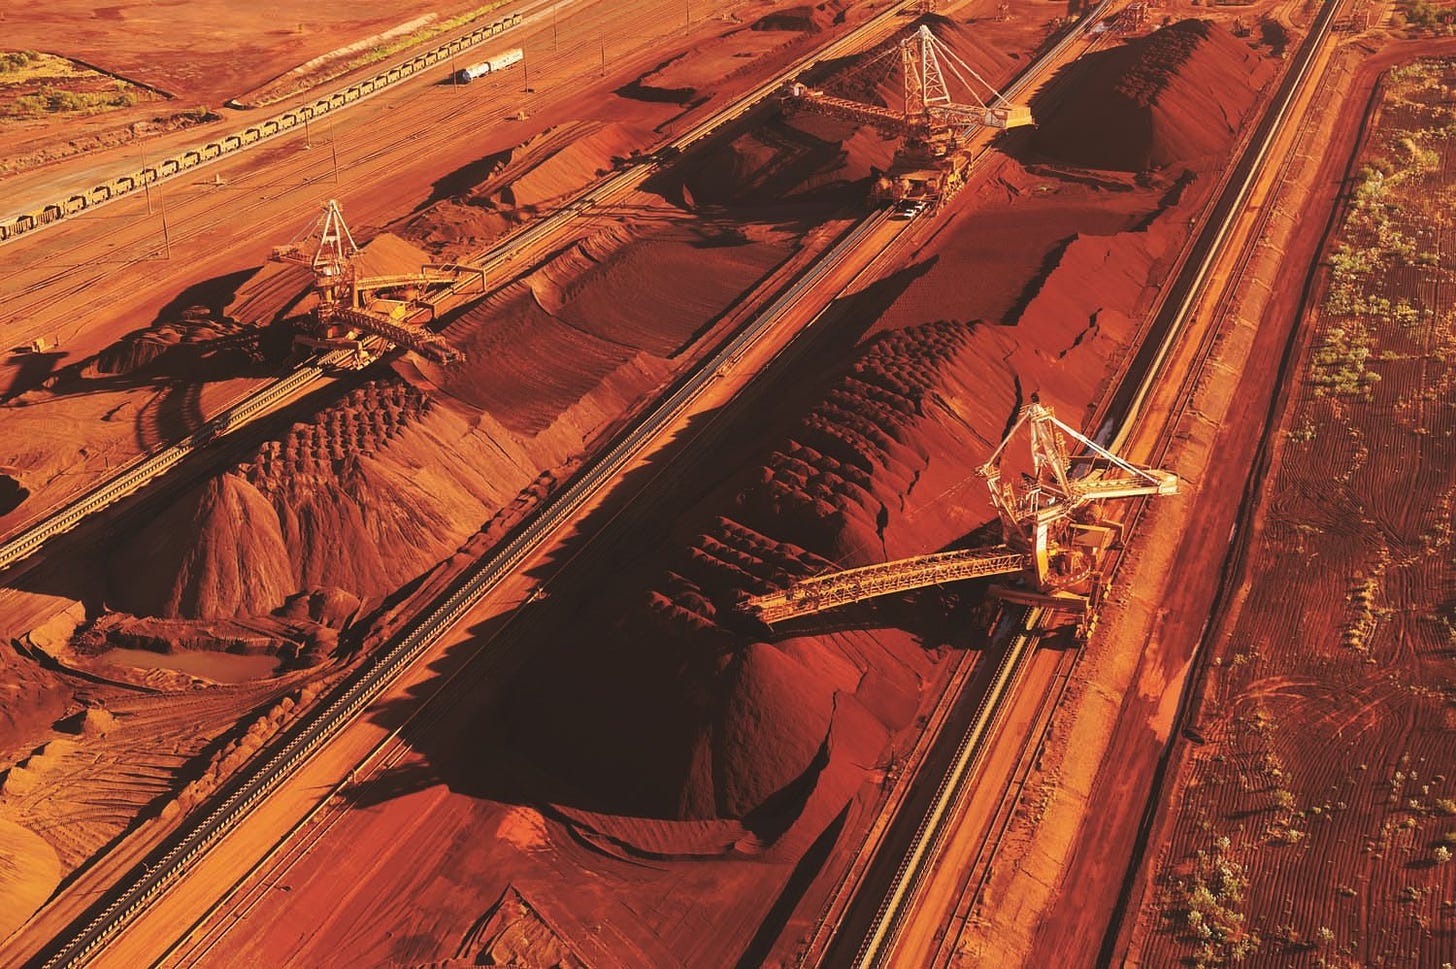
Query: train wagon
point(499, 62)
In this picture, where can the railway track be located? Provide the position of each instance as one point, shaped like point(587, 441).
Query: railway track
point(57, 288)
point(389, 132)
point(293, 849)
point(88, 199)
point(931, 830)
point(371, 148)
point(1126, 413)
point(1004, 811)
point(133, 476)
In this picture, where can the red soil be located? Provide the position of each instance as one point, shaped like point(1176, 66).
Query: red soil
point(1320, 778)
point(197, 54)
point(588, 156)
point(808, 159)
point(744, 733)
point(379, 487)
point(31, 699)
point(1174, 97)
point(368, 493)
point(712, 725)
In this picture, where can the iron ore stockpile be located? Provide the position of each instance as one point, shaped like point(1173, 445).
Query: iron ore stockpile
point(611, 761)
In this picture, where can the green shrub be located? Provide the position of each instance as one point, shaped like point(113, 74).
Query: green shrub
point(17, 60)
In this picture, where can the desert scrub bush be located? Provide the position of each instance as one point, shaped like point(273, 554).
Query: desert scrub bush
point(1208, 902)
point(16, 60)
point(1425, 15)
point(1424, 159)
point(51, 100)
point(1338, 365)
point(1304, 433)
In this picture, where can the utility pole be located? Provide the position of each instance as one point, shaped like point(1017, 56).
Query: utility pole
point(146, 182)
point(166, 236)
point(603, 38)
point(334, 147)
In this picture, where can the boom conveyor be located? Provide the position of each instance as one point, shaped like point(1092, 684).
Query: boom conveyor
point(1053, 537)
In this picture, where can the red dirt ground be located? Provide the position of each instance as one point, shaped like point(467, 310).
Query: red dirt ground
point(832, 492)
point(1317, 803)
point(198, 55)
point(205, 52)
point(1084, 869)
point(1172, 97)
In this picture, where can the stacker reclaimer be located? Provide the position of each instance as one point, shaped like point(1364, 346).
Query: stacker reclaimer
point(1053, 535)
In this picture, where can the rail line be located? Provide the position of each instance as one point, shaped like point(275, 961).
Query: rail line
point(143, 885)
point(930, 832)
point(980, 870)
point(144, 469)
point(388, 133)
point(1191, 378)
point(446, 117)
point(828, 922)
point(467, 590)
point(1182, 297)
point(473, 584)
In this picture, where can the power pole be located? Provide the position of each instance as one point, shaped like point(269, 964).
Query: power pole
point(146, 182)
point(334, 147)
point(166, 236)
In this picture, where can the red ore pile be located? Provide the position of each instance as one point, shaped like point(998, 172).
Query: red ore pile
point(680, 698)
point(1174, 97)
point(364, 497)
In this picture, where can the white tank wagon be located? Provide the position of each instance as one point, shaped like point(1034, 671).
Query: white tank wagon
point(499, 62)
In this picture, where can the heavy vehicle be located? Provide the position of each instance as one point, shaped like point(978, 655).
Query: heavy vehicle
point(393, 308)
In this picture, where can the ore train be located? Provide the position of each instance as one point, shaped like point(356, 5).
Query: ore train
point(499, 62)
